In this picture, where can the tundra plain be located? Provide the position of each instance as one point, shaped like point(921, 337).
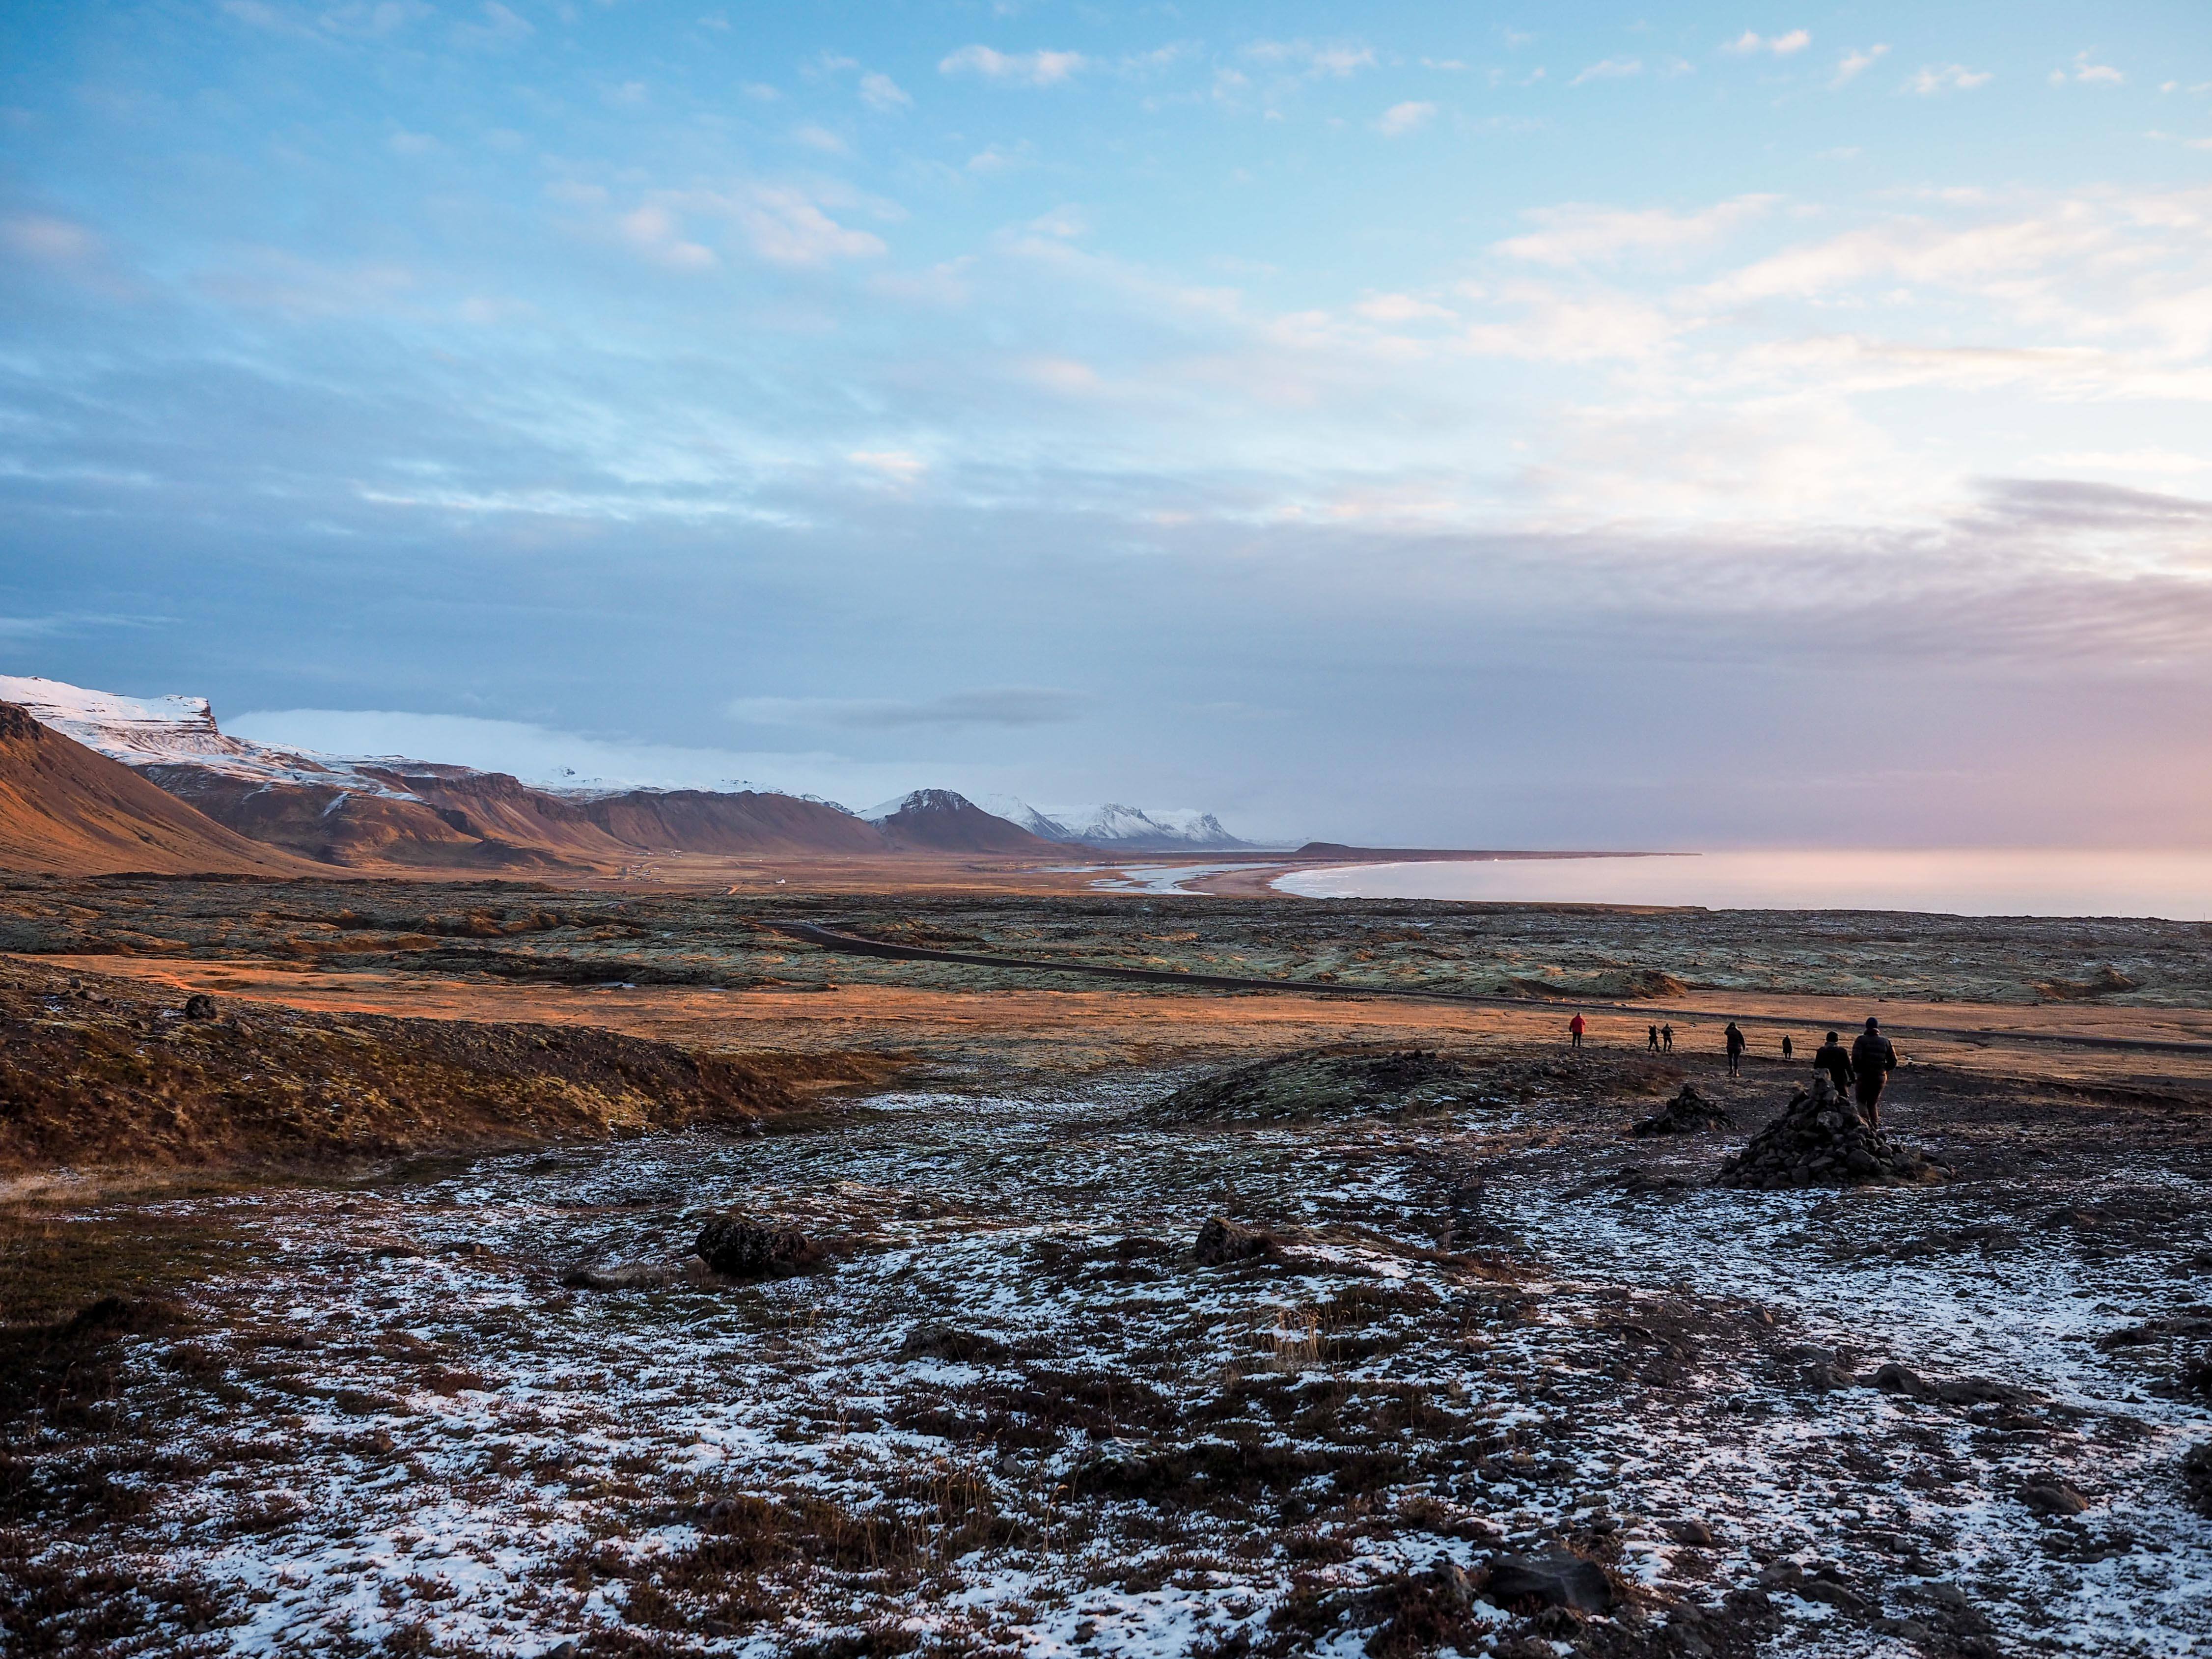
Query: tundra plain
point(359, 1313)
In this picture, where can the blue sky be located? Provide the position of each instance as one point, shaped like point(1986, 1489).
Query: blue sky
point(1672, 426)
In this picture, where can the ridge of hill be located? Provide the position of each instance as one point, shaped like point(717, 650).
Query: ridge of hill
point(940, 821)
point(388, 810)
point(67, 811)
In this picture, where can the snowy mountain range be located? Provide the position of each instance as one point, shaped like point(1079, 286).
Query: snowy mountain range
point(386, 808)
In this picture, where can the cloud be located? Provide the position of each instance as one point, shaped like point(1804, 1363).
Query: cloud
point(2088, 73)
point(816, 137)
point(1312, 61)
point(501, 27)
point(879, 92)
point(1401, 119)
point(1612, 69)
point(1403, 309)
point(1030, 68)
point(1781, 45)
point(48, 239)
point(1013, 705)
point(1576, 234)
point(1958, 78)
point(655, 232)
point(1855, 63)
point(786, 228)
point(896, 464)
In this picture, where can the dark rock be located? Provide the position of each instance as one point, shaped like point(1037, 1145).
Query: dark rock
point(1687, 1114)
point(2052, 1497)
point(1322, 1082)
point(623, 1276)
point(1556, 1580)
point(199, 1005)
point(945, 1342)
point(1696, 1534)
point(2197, 1476)
point(1893, 1378)
point(737, 1248)
point(1821, 1140)
point(1453, 1586)
point(1222, 1242)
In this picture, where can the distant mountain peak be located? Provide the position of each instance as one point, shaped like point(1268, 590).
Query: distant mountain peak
point(1115, 827)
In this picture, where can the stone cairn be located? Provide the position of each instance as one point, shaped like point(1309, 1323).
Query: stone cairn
point(1821, 1140)
point(1685, 1115)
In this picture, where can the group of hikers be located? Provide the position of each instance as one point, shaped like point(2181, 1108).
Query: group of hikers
point(1860, 1071)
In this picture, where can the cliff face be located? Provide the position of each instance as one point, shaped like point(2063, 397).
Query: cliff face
point(65, 810)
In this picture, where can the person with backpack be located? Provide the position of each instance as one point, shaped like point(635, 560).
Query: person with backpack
point(1835, 1059)
point(1873, 1059)
point(1734, 1038)
point(1651, 1039)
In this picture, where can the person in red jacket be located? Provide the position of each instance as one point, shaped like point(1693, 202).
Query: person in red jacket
point(1575, 1028)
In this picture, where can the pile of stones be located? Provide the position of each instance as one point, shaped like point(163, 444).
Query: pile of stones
point(1685, 1115)
point(1821, 1140)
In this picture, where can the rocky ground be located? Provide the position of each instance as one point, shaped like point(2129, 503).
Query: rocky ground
point(1498, 1377)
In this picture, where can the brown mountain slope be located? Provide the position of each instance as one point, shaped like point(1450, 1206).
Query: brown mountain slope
point(938, 820)
point(744, 825)
point(67, 811)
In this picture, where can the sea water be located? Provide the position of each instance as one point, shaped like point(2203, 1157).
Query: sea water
point(2176, 885)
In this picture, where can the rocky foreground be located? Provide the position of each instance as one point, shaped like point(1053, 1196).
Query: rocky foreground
point(1062, 1373)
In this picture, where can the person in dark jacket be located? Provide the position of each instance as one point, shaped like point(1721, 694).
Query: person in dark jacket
point(1651, 1039)
point(1667, 1039)
point(1835, 1059)
point(1872, 1061)
point(1735, 1041)
point(1789, 1049)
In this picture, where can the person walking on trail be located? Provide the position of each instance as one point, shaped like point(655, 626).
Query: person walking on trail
point(1734, 1038)
point(1651, 1039)
point(1574, 1029)
point(1833, 1058)
point(1872, 1061)
point(1787, 1050)
point(1666, 1039)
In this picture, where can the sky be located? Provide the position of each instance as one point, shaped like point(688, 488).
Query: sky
point(1670, 425)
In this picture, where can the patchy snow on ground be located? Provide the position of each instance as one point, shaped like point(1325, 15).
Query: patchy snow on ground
point(1009, 1411)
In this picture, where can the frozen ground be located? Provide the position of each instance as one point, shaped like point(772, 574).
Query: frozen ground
point(1011, 1414)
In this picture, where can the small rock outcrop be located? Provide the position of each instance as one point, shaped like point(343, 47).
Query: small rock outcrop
point(1322, 1083)
point(1554, 1580)
point(1221, 1242)
point(199, 1005)
point(1687, 1114)
point(738, 1248)
point(1821, 1140)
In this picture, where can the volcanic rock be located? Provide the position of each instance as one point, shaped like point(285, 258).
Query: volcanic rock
point(1820, 1140)
point(199, 1005)
point(1222, 1242)
point(2052, 1497)
point(1688, 1113)
point(1320, 1083)
point(738, 1248)
point(1556, 1579)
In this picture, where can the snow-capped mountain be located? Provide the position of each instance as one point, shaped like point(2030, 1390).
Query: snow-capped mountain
point(1118, 827)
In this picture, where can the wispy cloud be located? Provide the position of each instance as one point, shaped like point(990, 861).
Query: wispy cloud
point(1855, 63)
point(2088, 73)
point(1610, 69)
point(1323, 60)
point(1781, 45)
point(879, 92)
point(1950, 77)
point(1027, 69)
point(1012, 705)
point(1401, 119)
point(1575, 234)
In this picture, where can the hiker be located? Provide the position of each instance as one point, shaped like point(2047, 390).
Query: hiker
point(1575, 1027)
point(1735, 1041)
point(1832, 1058)
point(1872, 1061)
point(1787, 1051)
point(1651, 1039)
point(1666, 1039)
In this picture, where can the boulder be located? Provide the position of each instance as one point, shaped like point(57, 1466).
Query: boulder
point(1555, 1579)
point(1221, 1242)
point(738, 1248)
point(1820, 1140)
point(2052, 1497)
point(199, 1005)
